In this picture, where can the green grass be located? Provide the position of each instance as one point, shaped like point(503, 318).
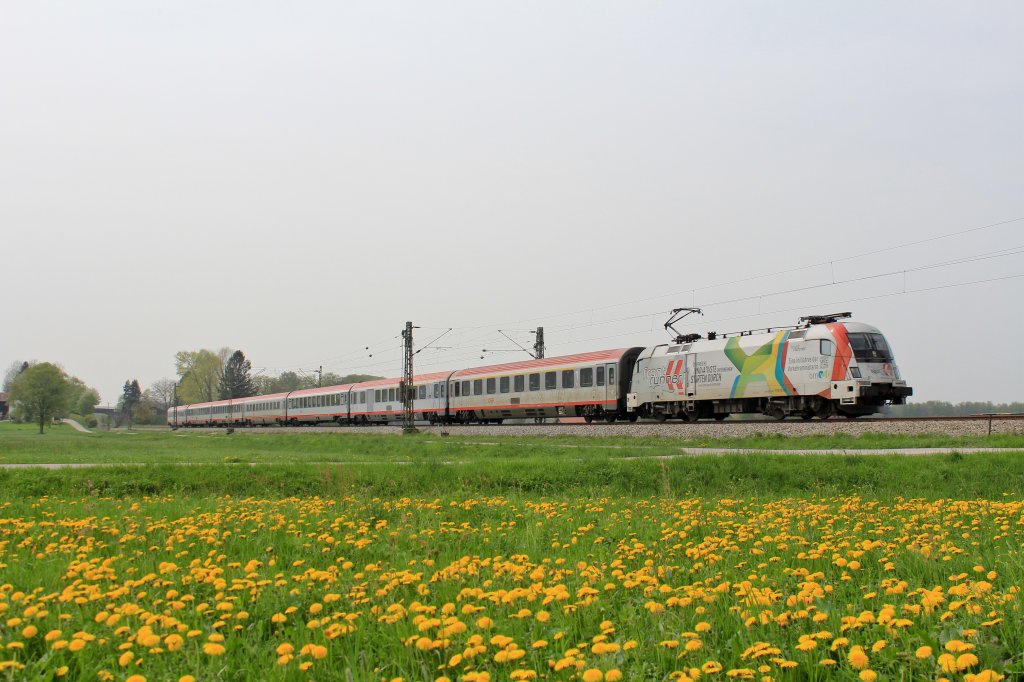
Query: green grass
point(365, 526)
point(20, 444)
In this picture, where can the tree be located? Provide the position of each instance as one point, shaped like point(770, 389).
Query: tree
point(290, 381)
point(82, 399)
point(235, 381)
point(161, 393)
point(15, 368)
point(199, 373)
point(41, 392)
point(130, 399)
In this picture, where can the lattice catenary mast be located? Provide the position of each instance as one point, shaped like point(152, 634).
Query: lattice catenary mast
point(406, 388)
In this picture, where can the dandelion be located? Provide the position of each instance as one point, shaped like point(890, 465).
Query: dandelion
point(858, 659)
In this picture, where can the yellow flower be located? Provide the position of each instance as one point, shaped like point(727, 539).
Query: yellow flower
point(593, 675)
point(965, 661)
point(868, 675)
point(858, 659)
point(613, 675)
point(983, 676)
point(923, 652)
point(213, 649)
point(948, 663)
point(136, 678)
point(186, 678)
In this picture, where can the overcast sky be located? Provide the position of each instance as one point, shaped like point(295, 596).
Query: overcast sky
point(299, 179)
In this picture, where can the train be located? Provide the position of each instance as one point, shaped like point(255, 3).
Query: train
point(824, 366)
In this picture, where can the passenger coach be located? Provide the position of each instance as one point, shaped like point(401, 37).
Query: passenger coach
point(589, 385)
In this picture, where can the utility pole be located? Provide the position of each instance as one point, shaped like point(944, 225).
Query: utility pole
point(320, 376)
point(408, 425)
point(538, 346)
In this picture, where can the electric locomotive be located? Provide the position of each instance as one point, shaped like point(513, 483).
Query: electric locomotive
point(819, 368)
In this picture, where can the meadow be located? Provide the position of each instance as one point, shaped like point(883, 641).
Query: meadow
point(327, 557)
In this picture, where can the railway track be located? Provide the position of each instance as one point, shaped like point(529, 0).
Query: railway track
point(975, 425)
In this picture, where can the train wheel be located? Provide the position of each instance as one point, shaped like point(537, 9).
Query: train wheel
point(719, 416)
point(610, 418)
point(589, 418)
point(659, 417)
point(807, 416)
point(633, 416)
point(777, 413)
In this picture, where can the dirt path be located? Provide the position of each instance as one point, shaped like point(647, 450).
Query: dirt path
point(75, 425)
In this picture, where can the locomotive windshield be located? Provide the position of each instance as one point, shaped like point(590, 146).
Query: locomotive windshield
point(870, 347)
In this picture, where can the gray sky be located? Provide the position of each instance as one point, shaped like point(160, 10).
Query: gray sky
point(298, 179)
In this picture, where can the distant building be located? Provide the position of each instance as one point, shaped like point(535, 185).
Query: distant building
point(4, 407)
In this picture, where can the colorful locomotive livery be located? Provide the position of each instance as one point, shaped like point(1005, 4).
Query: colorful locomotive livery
point(821, 368)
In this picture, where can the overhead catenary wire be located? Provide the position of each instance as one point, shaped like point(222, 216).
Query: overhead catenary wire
point(487, 328)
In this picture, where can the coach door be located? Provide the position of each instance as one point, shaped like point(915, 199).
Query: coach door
point(611, 385)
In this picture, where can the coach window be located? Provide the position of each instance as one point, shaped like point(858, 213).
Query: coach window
point(391, 394)
point(376, 395)
point(465, 388)
point(457, 387)
point(568, 378)
point(518, 382)
point(503, 385)
point(535, 382)
point(586, 377)
point(478, 386)
point(611, 376)
point(423, 392)
point(600, 375)
point(491, 383)
point(827, 347)
point(550, 381)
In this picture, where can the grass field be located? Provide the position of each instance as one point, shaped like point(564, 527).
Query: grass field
point(354, 557)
